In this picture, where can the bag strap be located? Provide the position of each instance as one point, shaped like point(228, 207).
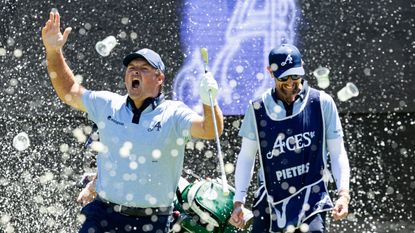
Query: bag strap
point(179, 196)
point(193, 190)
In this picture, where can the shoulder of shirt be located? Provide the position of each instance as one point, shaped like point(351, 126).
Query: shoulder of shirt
point(264, 96)
point(173, 102)
point(109, 97)
point(107, 94)
point(324, 97)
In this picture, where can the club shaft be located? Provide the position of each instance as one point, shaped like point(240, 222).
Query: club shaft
point(204, 53)
point(220, 156)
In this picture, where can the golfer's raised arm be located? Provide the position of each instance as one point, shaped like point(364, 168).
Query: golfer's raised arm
point(62, 78)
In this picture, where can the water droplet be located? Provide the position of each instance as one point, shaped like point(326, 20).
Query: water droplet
point(21, 141)
point(125, 20)
point(239, 69)
point(233, 83)
point(133, 165)
point(260, 76)
point(13, 82)
point(156, 154)
point(10, 41)
point(2, 52)
point(229, 168)
point(87, 26)
point(133, 35)
point(82, 31)
point(18, 53)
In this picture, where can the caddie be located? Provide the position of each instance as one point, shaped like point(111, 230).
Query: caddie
point(293, 127)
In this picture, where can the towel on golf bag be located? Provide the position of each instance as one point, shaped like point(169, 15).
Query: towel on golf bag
point(204, 208)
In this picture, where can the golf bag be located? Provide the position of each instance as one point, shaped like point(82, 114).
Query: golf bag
point(204, 208)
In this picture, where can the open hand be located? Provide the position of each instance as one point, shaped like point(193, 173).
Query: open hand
point(52, 37)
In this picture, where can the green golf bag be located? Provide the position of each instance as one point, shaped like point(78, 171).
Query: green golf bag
point(204, 208)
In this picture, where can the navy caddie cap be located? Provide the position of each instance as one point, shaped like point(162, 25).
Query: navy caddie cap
point(149, 55)
point(285, 60)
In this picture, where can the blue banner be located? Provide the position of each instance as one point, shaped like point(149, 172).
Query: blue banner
point(238, 35)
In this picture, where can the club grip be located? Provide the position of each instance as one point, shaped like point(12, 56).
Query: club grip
point(205, 56)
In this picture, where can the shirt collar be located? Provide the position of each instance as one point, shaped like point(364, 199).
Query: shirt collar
point(150, 101)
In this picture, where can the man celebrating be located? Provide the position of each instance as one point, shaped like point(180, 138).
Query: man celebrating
point(143, 137)
point(292, 126)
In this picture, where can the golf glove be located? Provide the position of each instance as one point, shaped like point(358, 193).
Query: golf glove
point(208, 83)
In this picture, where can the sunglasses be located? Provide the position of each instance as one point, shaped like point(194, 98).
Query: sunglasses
point(285, 78)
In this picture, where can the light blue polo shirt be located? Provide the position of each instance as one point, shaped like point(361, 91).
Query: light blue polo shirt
point(333, 128)
point(139, 164)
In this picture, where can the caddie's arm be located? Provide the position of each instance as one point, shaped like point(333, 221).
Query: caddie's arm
point(243, 175)
point(203, 127)
point(341, 173)
point(62, 78)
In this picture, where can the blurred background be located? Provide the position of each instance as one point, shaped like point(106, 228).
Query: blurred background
point(368, 43)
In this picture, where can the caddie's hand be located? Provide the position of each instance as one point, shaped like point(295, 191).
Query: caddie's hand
point(87, 194)
point(341, 207)
point(52, 37)
point(208, 84)
point(237, 217)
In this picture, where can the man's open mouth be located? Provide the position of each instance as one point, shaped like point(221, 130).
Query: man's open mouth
point(135, 83)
